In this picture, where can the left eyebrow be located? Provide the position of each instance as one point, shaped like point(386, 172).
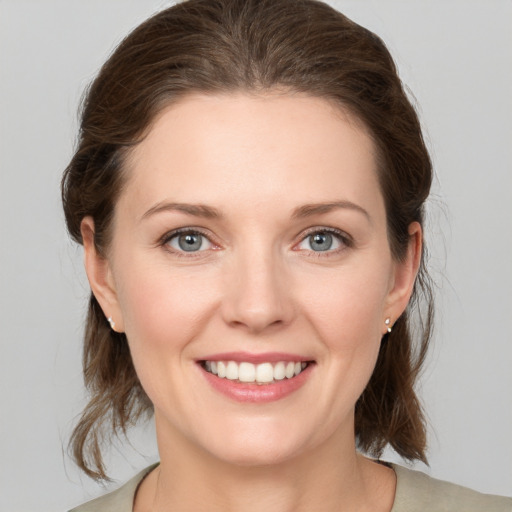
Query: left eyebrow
point(319, 208)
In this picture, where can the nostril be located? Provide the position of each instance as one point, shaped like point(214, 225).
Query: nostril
point(257, 323)
point(256, 297)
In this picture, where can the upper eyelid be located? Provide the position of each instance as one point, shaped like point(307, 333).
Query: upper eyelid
point(164, 242)
point(165, 239)
point(345, 240)
point(325, 229)
point(179, 231)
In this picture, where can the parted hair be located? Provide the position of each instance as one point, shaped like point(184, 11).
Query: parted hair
point(222, 46)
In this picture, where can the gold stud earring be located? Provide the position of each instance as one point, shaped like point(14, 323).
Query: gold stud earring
point(388, 324)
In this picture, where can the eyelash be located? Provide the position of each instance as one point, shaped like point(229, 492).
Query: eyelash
point(164, 242)
point(346, 241)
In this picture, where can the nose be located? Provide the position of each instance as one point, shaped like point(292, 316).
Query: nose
point(258, 293)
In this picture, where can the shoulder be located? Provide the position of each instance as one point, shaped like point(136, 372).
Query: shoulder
point(416, 491)
point(120, 500)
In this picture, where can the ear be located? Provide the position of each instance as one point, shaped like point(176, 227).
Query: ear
point(100, 276)
point(404, 275)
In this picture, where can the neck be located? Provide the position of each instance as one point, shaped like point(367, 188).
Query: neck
point(331, 477)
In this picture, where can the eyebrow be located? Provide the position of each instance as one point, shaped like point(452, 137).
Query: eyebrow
point(201, 210)
point(319, 208)
point(197, 210)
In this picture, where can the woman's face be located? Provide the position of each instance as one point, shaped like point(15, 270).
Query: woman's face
point(251, 240)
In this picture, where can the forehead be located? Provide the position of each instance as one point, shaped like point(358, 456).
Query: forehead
point(248, 148)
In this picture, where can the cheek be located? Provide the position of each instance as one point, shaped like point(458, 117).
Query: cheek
point(351, 332)
point(347, 306)
point(347, 318)
point(163, 308)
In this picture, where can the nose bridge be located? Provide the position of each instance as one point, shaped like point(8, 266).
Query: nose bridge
point(257, 294)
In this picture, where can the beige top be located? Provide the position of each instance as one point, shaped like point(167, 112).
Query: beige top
point(415, 492)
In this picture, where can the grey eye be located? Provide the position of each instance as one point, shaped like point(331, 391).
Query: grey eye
point(320, 241)
point(189, 242)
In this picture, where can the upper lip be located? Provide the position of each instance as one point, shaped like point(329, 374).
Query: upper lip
point(267, 357)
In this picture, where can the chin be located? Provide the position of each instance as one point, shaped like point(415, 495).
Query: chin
point(259, 447)
point(257, 456)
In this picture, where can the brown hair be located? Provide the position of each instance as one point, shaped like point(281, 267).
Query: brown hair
point(251, 45)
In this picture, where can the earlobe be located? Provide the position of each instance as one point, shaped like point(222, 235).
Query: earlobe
point(405, 273)
point(99, 274)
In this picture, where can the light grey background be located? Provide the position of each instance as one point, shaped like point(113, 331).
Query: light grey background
point(456, 57)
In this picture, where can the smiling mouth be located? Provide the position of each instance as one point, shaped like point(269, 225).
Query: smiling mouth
point(249, 373)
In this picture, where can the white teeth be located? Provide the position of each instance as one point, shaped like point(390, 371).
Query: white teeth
point(221, 369)
point(232, 371)
point(262, 373)
point(290, 370)
point(246, 372)
point(279, 373)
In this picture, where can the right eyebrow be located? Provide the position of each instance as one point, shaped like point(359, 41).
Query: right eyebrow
point(197, 210)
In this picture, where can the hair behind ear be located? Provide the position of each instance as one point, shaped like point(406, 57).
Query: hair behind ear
point(389, 410)
point(117, 400)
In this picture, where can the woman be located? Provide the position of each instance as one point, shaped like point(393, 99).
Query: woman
point(249, 189)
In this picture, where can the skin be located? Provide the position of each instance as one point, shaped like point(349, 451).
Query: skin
point(257, 285)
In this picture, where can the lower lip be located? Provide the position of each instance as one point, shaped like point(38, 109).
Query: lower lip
point(258, 393)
